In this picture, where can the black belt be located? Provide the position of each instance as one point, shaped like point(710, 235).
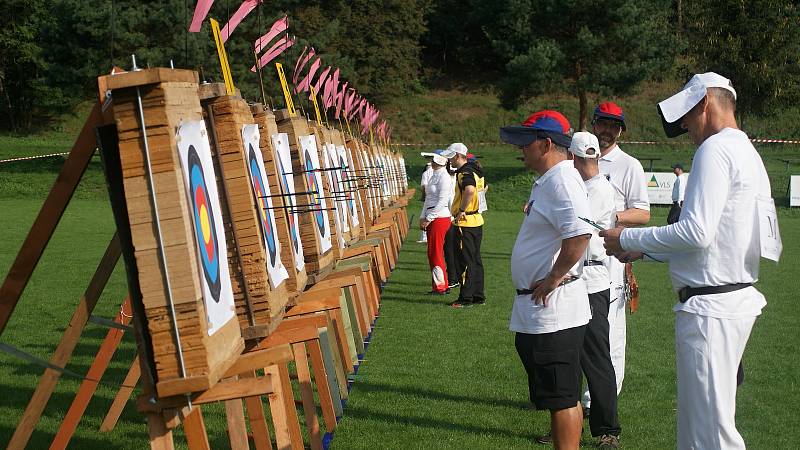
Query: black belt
point(567, 280)
point(592, 262)
point(471, 213)
point(689, 292)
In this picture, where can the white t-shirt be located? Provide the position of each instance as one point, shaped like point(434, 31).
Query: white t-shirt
point(601, 202)
point(557, 199)
point(679, 187)
point(438, 194)
point(627, 177)
point(716, 241)
point(426, 176)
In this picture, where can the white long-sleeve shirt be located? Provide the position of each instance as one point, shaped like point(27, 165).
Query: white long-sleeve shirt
point(716, 240)
point(679, 187)
point(438, 194)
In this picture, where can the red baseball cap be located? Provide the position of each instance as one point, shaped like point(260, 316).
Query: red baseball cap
point(612, 111)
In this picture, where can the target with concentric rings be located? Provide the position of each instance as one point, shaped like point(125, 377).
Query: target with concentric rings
point(264, 213)
point(204, 224)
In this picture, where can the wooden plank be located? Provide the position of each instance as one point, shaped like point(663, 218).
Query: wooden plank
point(260, 358)
point(323, 385)
point(93, 376)
point(195, 429)
point(291, 410)
point(331, 370)
point(69, 340)
point(277, 407)
point(258, 422)
point(160, 436)
point(49, 215)
point(121, 399)
point(307, 395)
point(237, 428)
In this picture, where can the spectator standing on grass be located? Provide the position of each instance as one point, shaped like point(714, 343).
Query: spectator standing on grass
point(633, 208)
point(435, 221)
point(452, 242)
point(423, 183)
point(551, 308)
point(596, 355)
point(713, 252)
point(678, 193)
point(469, 225)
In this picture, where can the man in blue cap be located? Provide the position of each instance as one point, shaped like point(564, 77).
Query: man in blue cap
point(551, 308)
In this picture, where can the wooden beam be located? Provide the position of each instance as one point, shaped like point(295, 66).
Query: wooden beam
point(307, 395)
point(237, 428)
point(195, 429)
point(69, 340)
point(49, 215)
point(121, 399)
point(160, 436)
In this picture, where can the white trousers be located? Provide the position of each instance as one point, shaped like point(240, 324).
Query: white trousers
point(707, 353)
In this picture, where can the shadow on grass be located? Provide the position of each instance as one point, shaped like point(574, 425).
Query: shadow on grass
point(427, 394)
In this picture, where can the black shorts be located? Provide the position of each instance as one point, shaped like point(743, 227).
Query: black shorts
point(553, 364)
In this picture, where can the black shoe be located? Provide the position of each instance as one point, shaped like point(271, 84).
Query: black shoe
point(479, 302)
point(439, 293)
point(546, 439)
point(585, 413)
point(608, 442)
point(460, 304)
point(453, 285)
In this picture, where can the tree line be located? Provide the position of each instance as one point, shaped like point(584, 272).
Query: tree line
point(51, 51)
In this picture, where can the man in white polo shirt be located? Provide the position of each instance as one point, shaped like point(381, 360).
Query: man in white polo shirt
point(713, 252)
point(596, 356)
point(551, 308)
point(678, 193)
point(633, 208)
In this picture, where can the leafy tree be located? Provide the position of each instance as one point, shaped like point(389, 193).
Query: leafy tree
point(754, 43)
point(580, 47)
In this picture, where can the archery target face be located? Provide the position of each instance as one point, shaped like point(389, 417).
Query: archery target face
point(280, 143)
point(263, 203)
point(203, 200)
point(334, 183)
point(308, 145)
point(373, 180)
point(344, 172)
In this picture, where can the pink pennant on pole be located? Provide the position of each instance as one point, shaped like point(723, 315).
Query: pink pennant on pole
point(340, 99)
point(322, 77)
point(330, 89)
point(306, 83)
point(278, 48)
point(200, 13)
point(277, 28)
point(301, 63)
point(348, 102)
point(236, 19)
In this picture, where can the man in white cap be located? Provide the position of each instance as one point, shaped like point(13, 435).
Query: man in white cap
point(713, 252)
point(469, 225)
point(596, 356)
point(423, 183)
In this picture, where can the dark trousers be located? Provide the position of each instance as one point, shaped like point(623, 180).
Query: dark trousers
point(674, 213)
point(452, 246)
point(470, 264)
point(597, 367)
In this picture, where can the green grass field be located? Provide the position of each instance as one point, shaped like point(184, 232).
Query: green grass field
point(433, 376)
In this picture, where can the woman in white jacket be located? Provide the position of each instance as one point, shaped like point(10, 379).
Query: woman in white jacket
point(435, 220)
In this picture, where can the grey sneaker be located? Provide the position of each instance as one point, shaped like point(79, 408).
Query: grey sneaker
point(608, 442)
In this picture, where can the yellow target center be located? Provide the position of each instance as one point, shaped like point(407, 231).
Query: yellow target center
point(205, 225)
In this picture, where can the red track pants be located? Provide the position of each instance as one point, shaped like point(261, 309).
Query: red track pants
point(436, 231)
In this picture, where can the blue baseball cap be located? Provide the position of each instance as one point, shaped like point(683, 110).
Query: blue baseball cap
point(540, 125)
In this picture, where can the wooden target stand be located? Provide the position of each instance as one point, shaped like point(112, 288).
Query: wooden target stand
point(166, 413)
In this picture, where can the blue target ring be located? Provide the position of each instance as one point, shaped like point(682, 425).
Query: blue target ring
point(349, 195)
point(204, 224)
point(264, 214)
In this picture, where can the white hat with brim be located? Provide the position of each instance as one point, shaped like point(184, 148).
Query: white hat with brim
point(454, 149)
point(583, 141)
point(674, 108)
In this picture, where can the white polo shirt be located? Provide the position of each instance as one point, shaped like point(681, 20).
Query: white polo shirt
point(630, 191)
point(557, 199)
point(426, 176)
point(716, 240)
point(438, 195)
point(679, 187)
point(601, 202)
point(627, 176)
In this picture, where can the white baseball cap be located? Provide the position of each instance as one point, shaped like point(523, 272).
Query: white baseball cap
point(674, 108)
point(583, 141)
point(455, 148)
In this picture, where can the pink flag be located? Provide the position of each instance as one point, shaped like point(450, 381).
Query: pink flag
point(238, 16)
point(348, 102)
point(278, 48)
point(322, 77)
point(306, 83)
point(340, 99)
point(301, 63)
point(330, 89)
point(277, 28)
point(200, 13)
